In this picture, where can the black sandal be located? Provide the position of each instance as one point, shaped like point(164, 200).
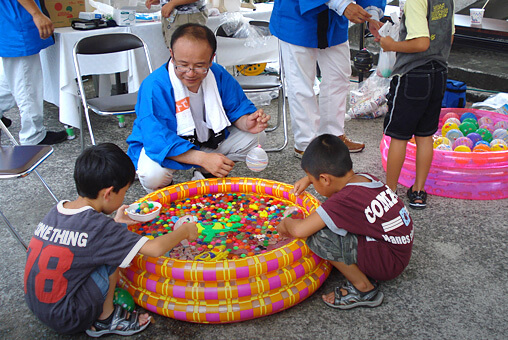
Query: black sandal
point(120, 324)
point(417, 199)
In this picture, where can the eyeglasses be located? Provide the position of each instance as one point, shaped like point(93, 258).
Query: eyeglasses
point(187, 69)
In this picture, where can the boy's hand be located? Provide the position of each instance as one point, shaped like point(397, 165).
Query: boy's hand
point(386, 43)
point(191, 230)
point(300, 186)
point(282, 229)
point(122, 217)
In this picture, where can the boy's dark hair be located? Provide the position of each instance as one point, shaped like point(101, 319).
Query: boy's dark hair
point(196, 31)
point(102, 166)
point(327, 154)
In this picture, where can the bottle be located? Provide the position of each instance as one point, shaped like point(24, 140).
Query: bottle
point(70, 132)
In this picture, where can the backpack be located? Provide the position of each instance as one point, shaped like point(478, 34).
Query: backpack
point(455, 94)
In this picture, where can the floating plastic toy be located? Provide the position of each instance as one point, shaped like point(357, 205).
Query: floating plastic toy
point(207, 291)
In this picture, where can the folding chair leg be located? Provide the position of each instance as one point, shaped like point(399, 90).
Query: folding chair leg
point(282, 112)
point(13, 231)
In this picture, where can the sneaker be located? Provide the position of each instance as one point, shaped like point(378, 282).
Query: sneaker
point(54, 138)
point(7, 122)
point(298, 153)
point(352, 145)
point(355, 298)
point(417, 199)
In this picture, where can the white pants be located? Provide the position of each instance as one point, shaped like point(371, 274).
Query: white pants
point(152, 176)
point(309, 118)
point(21, 85)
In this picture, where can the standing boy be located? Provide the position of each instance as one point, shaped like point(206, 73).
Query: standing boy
point(74, 256)
point(363, 228)
point(417, 88)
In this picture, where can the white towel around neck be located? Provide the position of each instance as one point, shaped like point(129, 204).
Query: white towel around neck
point(216, 118)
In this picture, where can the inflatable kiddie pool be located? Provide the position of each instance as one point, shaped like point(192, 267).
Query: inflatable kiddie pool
point(228, 290)
point(464, 175)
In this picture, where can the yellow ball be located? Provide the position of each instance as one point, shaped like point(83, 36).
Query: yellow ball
point(442, 140)
point(447, 127)
point(462, 148)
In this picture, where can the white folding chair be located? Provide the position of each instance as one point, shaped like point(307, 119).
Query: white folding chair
point(103, 44)
point(18, 161)
point(245, 55)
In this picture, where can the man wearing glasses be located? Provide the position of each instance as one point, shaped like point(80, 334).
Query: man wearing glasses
point(192, 113)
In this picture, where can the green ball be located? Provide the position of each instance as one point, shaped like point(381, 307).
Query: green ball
point(486, 135)
point(467, 127)
point(124, 299)
point(472, 120)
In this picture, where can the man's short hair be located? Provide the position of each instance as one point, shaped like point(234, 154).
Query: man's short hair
point(327, 154)
point(197, 32)
point(102, 166)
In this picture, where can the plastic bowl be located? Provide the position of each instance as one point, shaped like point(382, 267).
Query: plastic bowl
point(131, 211)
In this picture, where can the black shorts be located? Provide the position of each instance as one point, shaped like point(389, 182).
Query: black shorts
point(414, 102)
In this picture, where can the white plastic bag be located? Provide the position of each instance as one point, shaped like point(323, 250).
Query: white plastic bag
point(387, 59)
point(369, 101)
point(236, 25)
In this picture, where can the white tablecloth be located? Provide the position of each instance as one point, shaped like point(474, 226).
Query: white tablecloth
point(60, 86)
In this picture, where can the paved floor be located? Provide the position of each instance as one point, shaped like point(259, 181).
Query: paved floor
point(455, 286)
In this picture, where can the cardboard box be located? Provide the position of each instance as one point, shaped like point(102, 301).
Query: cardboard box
point(124, 17)
point(62, 12)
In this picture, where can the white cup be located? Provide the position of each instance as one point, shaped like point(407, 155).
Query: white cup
point(476, 15)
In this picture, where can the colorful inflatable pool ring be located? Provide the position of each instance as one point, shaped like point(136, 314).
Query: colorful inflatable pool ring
point(229, 290)
point(464, 175)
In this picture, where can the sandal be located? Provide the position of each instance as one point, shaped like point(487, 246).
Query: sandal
point(417, 199)
point(355, 298)
point(120, 324)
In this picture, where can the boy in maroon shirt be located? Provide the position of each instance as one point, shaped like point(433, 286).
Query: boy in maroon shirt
point(363, 228)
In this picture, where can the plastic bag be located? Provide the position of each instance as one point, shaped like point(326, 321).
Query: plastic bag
point(387, 59)
point(497, 102)
point(235, 25)
point(369, 101)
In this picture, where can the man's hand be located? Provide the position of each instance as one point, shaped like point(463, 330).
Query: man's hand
point(149, 3)
point(356, 14)
point(217, 164)
point(44, 25)
point(374, 27)
point(253, 123)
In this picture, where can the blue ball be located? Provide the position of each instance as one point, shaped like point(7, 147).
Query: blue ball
point(482, 142)
point(468, 115)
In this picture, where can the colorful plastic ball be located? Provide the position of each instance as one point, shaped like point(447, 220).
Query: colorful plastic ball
point(463, 141)
point(467, 127)
point(442, 140)
point(453, 120)
point(447, 127)
point(498, 146)
point(486, 134)
point(475, 137)
point(498, 141)
point(257, 159)
point(462, 148)
point(481, 148)
point(484, 120)
point(450, 115)
point(489, 127)
point(444, 147)
point(502, 124)
point(467, 115)
point(124, 299)
point(471, 120)
point(453, 134)
point(500, 134)
point(482, 142)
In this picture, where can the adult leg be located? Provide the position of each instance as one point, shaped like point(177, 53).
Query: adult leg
point(151, 175)
point(334, 88)
point(424, 154)
point(394, 162)
point(7, 101)
point(300, 71)
point(24, 78)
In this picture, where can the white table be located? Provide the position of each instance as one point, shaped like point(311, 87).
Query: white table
point(60, 86)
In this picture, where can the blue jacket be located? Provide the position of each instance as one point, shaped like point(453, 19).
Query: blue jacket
point(155, 125)
point(19, 36)
point(296, 21)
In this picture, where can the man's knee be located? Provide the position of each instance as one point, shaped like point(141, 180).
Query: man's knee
point(153, 178)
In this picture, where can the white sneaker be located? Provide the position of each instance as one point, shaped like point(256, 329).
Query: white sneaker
point(197, 175)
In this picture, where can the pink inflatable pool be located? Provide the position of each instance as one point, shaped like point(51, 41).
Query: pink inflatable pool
point(465, 175)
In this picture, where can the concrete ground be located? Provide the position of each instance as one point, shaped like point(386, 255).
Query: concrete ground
point(454, 287)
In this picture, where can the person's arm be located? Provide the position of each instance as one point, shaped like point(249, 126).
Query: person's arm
point(170, 6)
point(299, 228)
point(407, 46)
point(42, 22)
point(215, 163)
point(162, 244)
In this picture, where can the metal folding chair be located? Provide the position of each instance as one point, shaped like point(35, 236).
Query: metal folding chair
point(257, 83)
point(18, 161)
point(102, 44)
